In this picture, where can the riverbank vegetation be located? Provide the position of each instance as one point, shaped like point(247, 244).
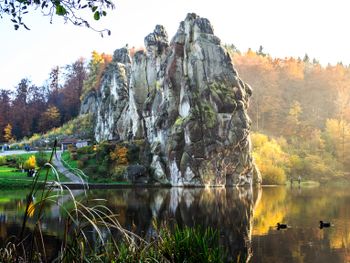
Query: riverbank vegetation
point(106, 162)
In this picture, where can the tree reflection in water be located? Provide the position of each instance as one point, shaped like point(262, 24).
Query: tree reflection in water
point(228, 210)
point(304, 241)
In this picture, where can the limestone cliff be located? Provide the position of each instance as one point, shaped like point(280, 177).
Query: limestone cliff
point(186, 100)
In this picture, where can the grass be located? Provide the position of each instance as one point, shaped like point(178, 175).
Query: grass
point(12, 177)
point(72, 163)
point(10, 173)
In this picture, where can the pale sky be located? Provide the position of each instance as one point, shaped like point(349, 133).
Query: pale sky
point(284, 28)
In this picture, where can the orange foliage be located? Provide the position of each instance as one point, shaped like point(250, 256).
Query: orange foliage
point(120, 155)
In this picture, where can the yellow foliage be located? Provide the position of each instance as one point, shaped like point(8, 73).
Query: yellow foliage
point(8, 133)
point(338, 134)
point(294, 69)
point(270, 210)
point(97, 66)
point(30, 163)
point(259, 139)
point(120, 155)
point(270, 158)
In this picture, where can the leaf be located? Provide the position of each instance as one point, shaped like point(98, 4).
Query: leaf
point(43, 4)
point(109, 32)
point(14, 20)
point(94, 8)
point(97, 15)
point(60, 10)
point(104, 13)
point(16, 27)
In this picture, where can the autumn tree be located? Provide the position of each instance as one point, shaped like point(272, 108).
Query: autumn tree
point(96, 67)
point(8, 133)
point(293, 120)
point(50, 118)
point(75, 75)
point(36, 105)
point(5, 109)
point(20, 119)
point(270, 158)
point(338, 138)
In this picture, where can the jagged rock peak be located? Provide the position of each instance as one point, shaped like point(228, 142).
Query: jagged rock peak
point(157, 39)
point(186, 101)
point(121, 55)
point(203, 24)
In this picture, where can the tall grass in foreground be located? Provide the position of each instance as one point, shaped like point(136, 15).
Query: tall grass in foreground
point(112, 243)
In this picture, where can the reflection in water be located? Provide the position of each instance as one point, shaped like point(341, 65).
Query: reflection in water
point(302, 208)
point(244, 234)
point(228, 210)
point(270, 210)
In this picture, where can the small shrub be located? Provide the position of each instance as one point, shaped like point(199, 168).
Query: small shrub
point(120, 155)
point(103, 150)
point(85, 150)
point(273, 175)
point(74, 156)
point(90, 170)
point(118, 174)
point(102, 171)
point(30, 163)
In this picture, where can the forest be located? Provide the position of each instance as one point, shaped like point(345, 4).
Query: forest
point(30, 109)
point(299, 110)
point(300, 115)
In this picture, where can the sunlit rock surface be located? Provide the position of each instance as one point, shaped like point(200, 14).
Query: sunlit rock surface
point(185, 98)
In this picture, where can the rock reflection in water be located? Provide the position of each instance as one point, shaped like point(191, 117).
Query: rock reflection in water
point(228, 210)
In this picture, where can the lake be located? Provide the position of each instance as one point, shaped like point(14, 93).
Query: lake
point(245, 219)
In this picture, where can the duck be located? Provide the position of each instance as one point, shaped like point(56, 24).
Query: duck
point(325, 224)
point(281, 226)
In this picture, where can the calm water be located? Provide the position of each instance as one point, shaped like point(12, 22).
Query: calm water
point(244, 219)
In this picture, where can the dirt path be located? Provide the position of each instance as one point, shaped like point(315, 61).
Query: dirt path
point(60, 167)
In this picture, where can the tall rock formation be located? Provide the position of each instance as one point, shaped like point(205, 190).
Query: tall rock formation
point(186, 100)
